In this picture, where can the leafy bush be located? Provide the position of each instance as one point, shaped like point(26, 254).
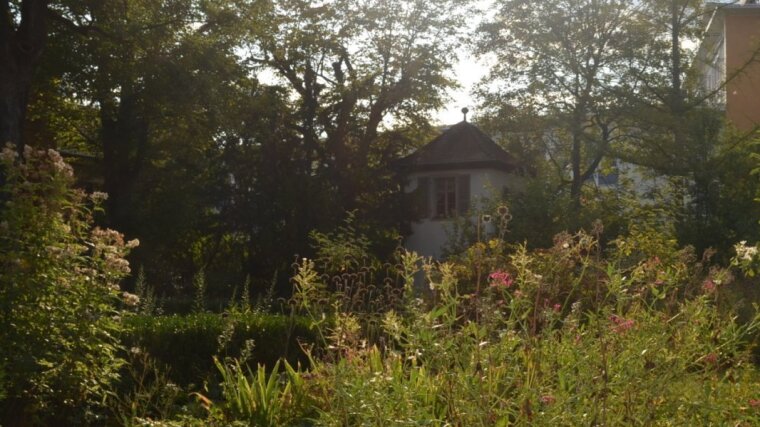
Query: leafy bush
point(187, 344)
point(261, 398)
point(345, 249)
point(59, 293)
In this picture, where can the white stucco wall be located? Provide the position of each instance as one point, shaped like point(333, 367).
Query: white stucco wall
point(429, 236)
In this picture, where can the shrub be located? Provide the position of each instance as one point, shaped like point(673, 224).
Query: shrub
point(59, 292)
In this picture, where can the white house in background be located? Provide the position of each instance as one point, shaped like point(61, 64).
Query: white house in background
point(449, 177)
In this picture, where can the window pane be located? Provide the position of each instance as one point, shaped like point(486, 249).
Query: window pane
point(445, 197)
point(440, 204)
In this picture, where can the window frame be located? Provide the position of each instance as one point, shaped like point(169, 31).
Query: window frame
point(450, 204)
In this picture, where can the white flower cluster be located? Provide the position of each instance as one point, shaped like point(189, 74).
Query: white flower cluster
point(9, 153)
point(130, 299)
point(744, 252)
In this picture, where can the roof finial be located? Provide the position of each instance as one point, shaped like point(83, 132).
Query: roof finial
point(465, 110)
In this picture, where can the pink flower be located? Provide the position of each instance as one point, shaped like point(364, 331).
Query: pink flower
point(557, 307)
point(547, 399)
point(711, 358)
point(708, 286)
point(500, 279)
point(621, 325)
point(755, 403)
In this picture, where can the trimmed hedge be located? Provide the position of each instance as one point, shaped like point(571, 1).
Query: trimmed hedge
point(187, 343)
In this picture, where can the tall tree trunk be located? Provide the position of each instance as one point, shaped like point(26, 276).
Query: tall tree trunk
point(20, 49)
point(124, 135)
point(576, 183)
point(14, 92)
point(677, 101)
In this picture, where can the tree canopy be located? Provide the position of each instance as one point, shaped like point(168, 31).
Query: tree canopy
point(225, 131)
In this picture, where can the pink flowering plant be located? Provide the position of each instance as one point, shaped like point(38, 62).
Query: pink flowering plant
point(500, 279)
point(59, 293)
point(569, 335)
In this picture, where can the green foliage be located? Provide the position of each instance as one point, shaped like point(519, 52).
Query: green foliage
point(210, 165)
point(59, 293)
point(149, 304)
point(262, 398)
point(188, 343)
point(344, 249)
point(145, 391)
point(565, 63)
point(199, 286)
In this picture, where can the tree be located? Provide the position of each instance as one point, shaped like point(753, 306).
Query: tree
point(675, 129)
point(150, 89)
point(561, 61)
point(23, 31)
point(355, 66)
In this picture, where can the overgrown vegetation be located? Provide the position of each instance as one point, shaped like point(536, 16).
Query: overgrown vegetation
point(186, 344)
point(640, 332)
point(251, 147)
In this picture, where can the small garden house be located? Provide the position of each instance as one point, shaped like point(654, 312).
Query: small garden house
point(451, 177)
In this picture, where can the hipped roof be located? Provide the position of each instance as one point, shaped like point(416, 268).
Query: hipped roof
point(462, 146)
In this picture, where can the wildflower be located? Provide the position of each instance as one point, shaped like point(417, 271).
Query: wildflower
point(9, 153)
point(501, 279)
point(711, 358)
point(597, 227)
point(502, 211)
point(708, 286)
point(744, 252)
point(99, 196)
point(557, 307)
point(117, 264)
point(576, 307)
point(130, 299)
point(547, 399)
point(54, 155)
point(755, 403)
point(621, 324)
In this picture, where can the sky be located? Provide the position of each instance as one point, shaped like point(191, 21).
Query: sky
point(467, 72)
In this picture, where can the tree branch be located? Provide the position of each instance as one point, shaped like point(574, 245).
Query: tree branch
point(85, 31)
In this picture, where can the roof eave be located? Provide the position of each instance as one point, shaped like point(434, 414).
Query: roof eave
point(450, 166)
